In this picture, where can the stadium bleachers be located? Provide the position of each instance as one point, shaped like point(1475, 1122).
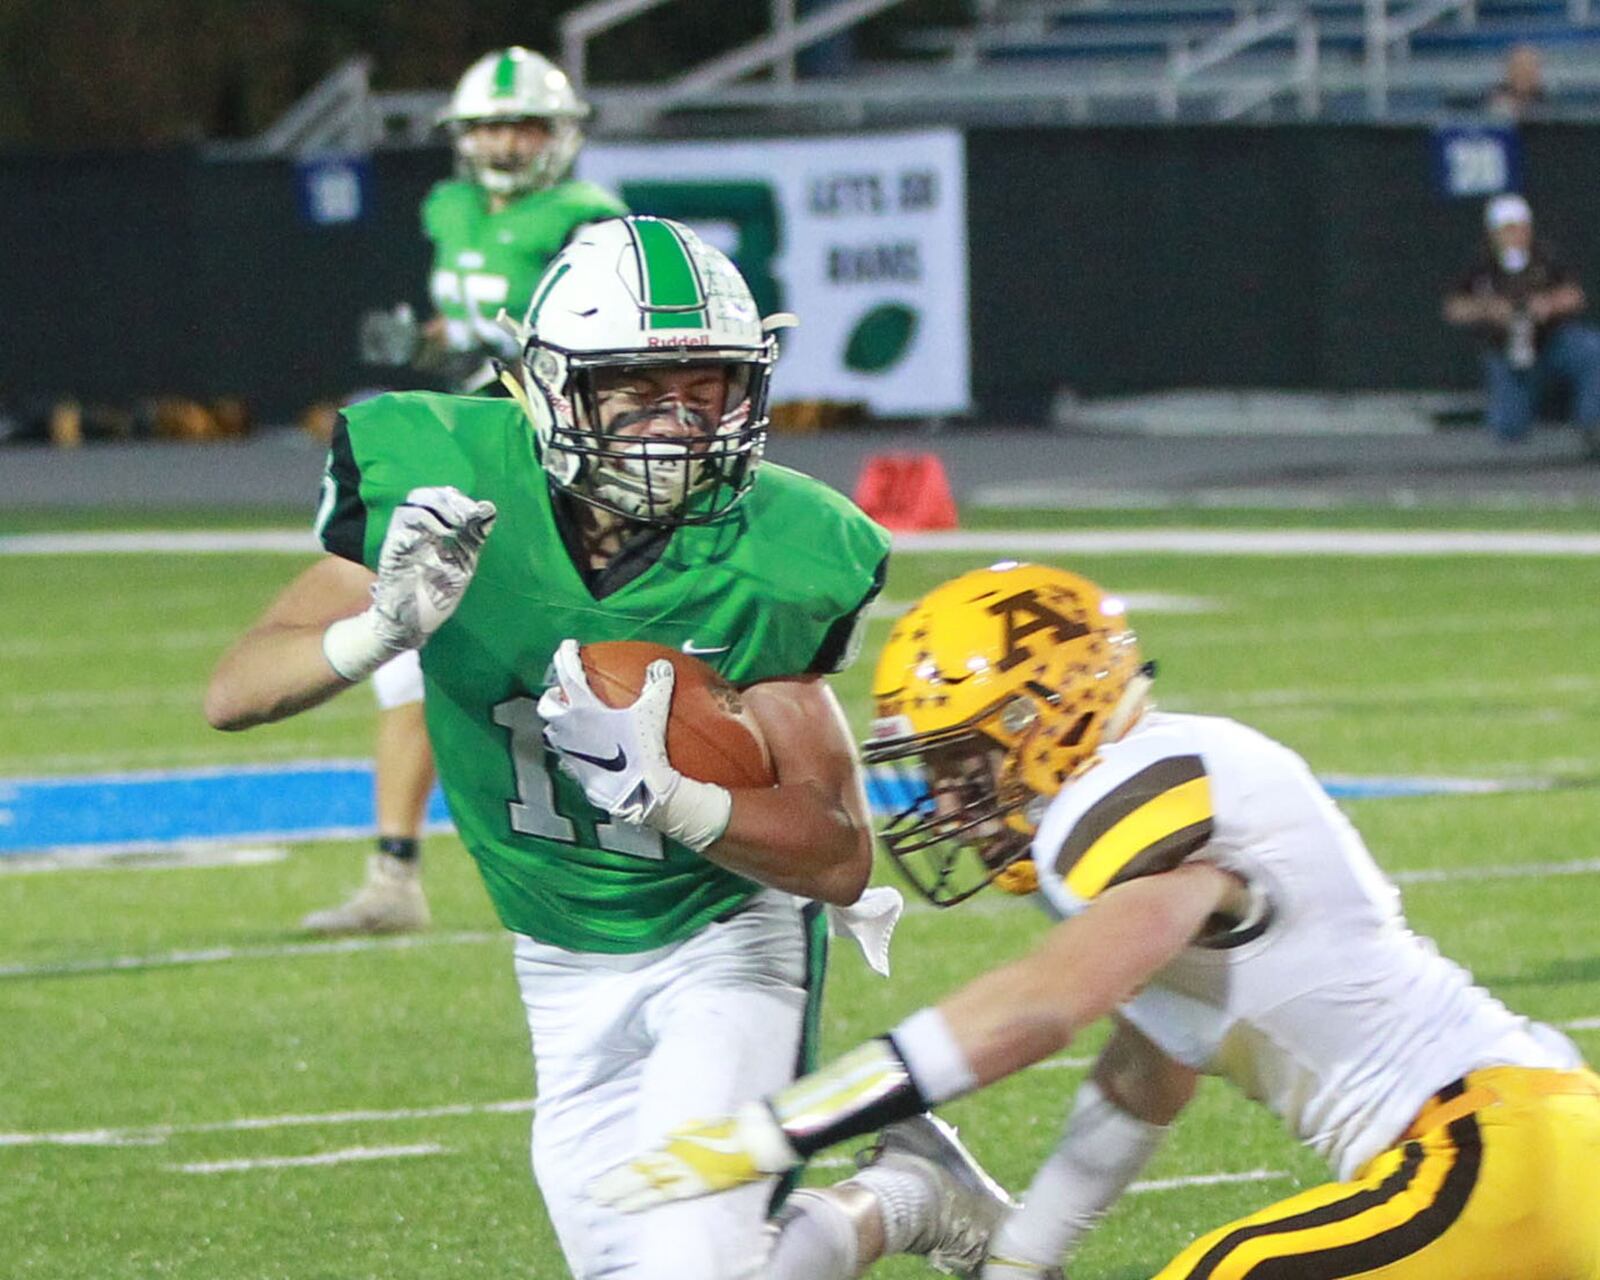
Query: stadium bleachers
point(1197, 59)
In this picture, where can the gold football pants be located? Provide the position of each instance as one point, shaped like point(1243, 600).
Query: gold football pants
point(1498, 1178)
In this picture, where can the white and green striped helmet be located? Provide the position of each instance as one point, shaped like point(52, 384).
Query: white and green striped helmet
point(641, 293)
point(509, 85)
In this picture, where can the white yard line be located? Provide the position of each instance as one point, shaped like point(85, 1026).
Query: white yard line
point(167, 759)
point(346, 1156)
point(139, 857)
point(1531, 870)
point(1140, 602)
point(158, 1134)
point(1262, 542)
point(101, 642)
point(1137, 1188)
point(217, 955)
point(155, 1135)
point(994, 904)
point(180, 542)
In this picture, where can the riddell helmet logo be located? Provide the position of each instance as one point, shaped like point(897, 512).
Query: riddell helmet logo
point(704, 340)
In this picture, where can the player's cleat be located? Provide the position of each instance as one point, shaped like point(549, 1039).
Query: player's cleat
point(970, 1204)
point(389, 901)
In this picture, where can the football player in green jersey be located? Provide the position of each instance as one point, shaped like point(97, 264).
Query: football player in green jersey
point(516, 123)
point(669, 941)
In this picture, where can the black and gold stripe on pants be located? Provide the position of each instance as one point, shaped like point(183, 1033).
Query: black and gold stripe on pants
point(1408, 1199)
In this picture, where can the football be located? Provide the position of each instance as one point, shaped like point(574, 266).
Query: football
point(711, 735)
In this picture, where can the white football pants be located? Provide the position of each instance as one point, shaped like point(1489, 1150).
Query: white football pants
point(628, 1047)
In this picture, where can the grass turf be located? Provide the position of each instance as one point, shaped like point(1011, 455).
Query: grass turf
point(1476, 666)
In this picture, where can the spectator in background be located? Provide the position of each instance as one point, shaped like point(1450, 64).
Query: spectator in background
point(1521, 93)
point(1522, 303)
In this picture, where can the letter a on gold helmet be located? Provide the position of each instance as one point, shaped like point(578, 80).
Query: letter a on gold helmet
point(990, 692)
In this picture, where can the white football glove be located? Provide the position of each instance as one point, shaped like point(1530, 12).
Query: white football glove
point(619, 754)
point(429, 555)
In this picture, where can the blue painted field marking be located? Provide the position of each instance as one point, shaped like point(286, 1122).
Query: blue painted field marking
point(310, 800)
point(333, 800)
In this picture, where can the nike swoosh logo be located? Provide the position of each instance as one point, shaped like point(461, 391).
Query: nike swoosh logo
point(616, 764)
point(695, 651)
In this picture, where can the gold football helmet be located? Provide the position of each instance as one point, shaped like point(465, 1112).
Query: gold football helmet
point(989, 693)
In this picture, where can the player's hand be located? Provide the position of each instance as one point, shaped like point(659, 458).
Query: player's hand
point(619, 754)
point(429, 555)
point(698, 1160)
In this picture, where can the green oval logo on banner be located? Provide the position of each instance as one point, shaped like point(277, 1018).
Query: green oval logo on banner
point(880, 338)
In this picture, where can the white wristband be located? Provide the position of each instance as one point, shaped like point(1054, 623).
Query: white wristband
point(694, 814)
point(354, 648)
point(937, 1065)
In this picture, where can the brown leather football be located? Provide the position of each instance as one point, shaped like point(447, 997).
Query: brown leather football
point(711, 735)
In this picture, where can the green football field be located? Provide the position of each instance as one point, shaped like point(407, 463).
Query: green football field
point(188, 1090)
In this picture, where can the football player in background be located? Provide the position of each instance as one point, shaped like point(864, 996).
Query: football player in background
point(517, 129)
point(666, 961)
point(1214, 902)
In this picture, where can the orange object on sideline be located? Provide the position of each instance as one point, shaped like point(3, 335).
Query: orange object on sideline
point(906, 492)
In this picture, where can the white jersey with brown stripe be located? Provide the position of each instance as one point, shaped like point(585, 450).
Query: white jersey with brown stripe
point(1319, 1001)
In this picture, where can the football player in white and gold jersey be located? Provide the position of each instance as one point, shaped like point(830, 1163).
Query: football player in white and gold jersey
point(1221, 909)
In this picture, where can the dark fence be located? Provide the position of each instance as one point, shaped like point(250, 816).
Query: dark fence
point(1117, 260)
point(1110, 260)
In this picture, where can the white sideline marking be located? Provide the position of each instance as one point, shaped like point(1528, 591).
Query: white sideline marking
point(156, 1134)
point(1440, 875)
point(1342, 542)
point(345, 946)
point(1264, 542)
point(182, 542)
point(138, 857)
point(1138, 601)
point(216, 955)
point(1208, 1180)
point(325, 1157)
point(1137, 1188)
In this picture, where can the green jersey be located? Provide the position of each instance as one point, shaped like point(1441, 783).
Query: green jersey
point(776, 588)
point(484, 261)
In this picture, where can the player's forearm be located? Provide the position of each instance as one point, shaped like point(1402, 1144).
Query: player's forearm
point(1083, 969)
point(270, 673)
point(796, 838)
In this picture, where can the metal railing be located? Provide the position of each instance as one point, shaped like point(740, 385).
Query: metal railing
point(1187, 61)
point(343, 114)
point(776, 50)
point(334, 116)
point(1385, 31)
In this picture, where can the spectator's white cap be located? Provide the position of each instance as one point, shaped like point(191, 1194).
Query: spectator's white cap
point(1502, 211)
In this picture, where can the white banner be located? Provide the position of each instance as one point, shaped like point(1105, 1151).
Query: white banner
point(863, 237)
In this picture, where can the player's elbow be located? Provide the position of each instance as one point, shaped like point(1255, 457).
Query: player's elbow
point(222, 711)
point(225, 705)
point(844, 884)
